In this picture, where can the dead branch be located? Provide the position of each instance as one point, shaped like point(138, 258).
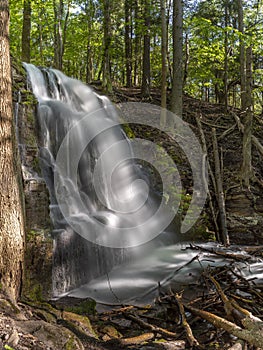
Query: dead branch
point(226, 132)
point(189, 334)
point(211, 206)
point(214, 125)
point(252, 336)
point(220, 192)
point(228, 255)
point(227, 304)
point(140, 339)
point(151, 327)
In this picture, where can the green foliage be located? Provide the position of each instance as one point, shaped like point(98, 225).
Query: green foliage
point(204, 24)
point(7, 347)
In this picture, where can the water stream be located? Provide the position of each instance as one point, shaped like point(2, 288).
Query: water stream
point(102, 206)
point(111, 240)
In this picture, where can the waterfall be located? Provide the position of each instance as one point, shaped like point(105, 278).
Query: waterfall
point(102, 206)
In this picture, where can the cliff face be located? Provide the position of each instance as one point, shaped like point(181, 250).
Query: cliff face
point(38, 255)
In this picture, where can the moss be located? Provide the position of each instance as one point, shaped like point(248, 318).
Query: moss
point(36, 293)
point(70, 344)
point(86, 307)
point(31, 235)
point(80, 322)
point(7, 347)
point(128, 131)
point(36, 165)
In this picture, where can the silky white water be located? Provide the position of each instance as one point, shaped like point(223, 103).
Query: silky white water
point(110, 236)
point(102, 205)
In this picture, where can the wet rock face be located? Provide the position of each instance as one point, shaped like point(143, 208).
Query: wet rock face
point(38, 258)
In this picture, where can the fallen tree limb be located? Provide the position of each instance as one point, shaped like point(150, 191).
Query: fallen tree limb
point(228, 131)
point(140, 339)
point(151, 327)
point(253, 336)
point(189, 334)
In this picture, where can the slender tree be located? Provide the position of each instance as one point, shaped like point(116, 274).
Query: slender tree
point(128, 43)
point(106, 64)
point(137, 44)
point(164, 62)
point(146, 69)
point(61, 16)
point(242, 54)
point(89, 13)
point(226, 55)
point(11, 215)
point(177, 87)
point(246, 170)
point(26, 30)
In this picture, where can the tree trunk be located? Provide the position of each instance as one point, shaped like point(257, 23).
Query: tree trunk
point(106, 76)
point(246, 170)
point(11, 214)
point(137, 44)
point(60, 29)
point(242, 54)
point(220, 192)
point(177, 87)
point(25, 56)
point(187, 58)
point(89, 12)
point(146, 69)
point(57, 34)
point(226, 57)
point(128, 45)
point(164, 63)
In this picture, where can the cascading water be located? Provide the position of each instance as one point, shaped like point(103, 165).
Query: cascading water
point(109, 225)
point(100, 204)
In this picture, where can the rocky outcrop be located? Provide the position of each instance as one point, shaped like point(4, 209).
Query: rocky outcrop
point(38, 257)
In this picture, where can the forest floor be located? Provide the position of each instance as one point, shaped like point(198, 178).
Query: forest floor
point(226, 313)
point(222, 310)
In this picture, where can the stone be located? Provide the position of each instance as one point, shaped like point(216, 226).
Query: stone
point(53, 336)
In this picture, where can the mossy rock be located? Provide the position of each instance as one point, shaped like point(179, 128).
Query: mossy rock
point(53, 336)
point(111, 332)
point(7, 307)
point(78, 306)
point(80, 323)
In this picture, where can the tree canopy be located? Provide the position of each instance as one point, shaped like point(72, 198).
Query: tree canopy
point(83, 38)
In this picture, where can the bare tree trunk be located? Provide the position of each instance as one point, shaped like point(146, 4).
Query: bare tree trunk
point(57, 6)
point(226, 57)
point(11, 214)
point(137, 44)
point(177, 87)
point(187, 58)
point(89, 11)
point(106, 76)
point(164, 63)
point(128, 45)
point(146, 69)
point(246, 170)
point(242, 54)
point(60, 30)
point(220, 193)
point(26, 30)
